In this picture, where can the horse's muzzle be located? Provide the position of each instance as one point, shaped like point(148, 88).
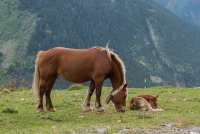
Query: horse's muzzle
point(122, 109)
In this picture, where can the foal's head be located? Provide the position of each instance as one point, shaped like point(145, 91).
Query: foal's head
point(118, 98)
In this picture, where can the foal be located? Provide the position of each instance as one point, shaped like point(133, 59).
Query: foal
point(144, 103)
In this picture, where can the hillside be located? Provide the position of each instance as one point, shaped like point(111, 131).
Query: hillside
point(18, 113)
point(155, 44)
point(188, 10)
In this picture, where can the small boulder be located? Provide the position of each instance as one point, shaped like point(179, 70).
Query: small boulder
point(101, 131)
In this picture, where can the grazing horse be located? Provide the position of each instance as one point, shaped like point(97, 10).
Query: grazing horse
point(81, 65)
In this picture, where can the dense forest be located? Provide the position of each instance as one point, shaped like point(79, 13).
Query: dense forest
point(158, 48)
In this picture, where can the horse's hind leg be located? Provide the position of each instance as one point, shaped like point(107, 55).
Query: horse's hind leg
point(41, 92)
point(86, 105)
point(49, 87)
point(49, 104)
point(40, 101)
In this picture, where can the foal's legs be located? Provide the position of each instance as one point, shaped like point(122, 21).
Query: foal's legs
point(98, 86)
point(86, 105)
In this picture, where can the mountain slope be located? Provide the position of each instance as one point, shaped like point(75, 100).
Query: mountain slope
point(188, 10)
point(157, 47)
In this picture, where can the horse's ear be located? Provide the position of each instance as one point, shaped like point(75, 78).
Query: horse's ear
point(108, 99)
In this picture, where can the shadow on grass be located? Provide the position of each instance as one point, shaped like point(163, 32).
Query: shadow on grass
point(9, 110)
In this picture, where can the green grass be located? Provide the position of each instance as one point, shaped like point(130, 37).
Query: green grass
point(18, 111)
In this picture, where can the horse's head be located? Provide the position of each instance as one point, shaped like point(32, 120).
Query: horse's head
point(118, 98)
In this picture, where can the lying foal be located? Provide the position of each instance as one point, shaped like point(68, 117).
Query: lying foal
point(145, 103)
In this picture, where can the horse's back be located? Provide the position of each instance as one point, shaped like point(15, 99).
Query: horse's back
point(76, 65)
point(60, 53)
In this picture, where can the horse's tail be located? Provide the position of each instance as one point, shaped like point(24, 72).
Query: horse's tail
point(36, 76)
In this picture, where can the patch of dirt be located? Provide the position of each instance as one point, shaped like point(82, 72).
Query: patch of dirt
point(170, 130)
point(92, 131)
point(164, 129)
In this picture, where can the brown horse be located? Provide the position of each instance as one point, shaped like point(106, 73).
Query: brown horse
point(80, 65)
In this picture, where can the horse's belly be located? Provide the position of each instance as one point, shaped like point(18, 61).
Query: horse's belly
point(75, 77)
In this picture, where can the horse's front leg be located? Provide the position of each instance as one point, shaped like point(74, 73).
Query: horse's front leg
point(86, 105)
point(98, 87)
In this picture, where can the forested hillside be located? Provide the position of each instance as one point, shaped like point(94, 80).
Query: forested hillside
point(154, 44)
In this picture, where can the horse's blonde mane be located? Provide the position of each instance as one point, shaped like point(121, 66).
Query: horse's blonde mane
point(120, 63)
point(117, 59)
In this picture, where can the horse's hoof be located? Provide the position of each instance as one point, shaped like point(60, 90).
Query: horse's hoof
point(40, 110)
point(100, 109)
point(87, 109)
point(51, 110)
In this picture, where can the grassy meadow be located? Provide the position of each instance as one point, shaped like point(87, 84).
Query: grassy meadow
point(18, 111)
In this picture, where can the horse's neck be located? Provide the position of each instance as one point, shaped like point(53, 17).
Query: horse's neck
point(117, 78)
